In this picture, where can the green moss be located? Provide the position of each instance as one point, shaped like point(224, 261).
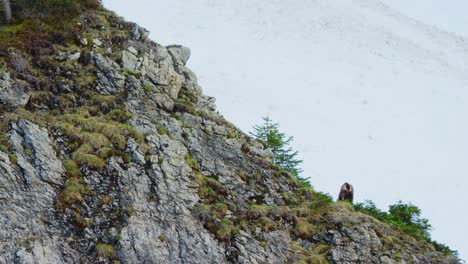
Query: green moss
point(191, 162)
point(105, 200)
point(13, 158)
point(160, 160)
point(4, 149)
point(28, 152)
point(206, 191)
point(148, 87)
point(26, 244)
point(230, 134)
point(397, 257)
point(162, 237)
point(133, 73)
point(162, 131)
point(104, 250)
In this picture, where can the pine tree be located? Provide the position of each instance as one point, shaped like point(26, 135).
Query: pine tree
point(283, 155)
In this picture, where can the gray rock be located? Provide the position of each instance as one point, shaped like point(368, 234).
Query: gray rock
point(164, 223)
point(97, 43)
point(139, 33)
point(84, 41)
point(19, 63)
point(111, 79)
point(41, 161)
point(61, 56)
point(179, 53)
point(132, 50)
point(9, 94)
point(207, 103)
point(74, 56)
point(28, 232)
point(130, 61)
point(134, 149)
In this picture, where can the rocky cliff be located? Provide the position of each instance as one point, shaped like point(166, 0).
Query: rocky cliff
point(110, 153)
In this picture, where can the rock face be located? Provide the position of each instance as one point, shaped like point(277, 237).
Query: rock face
point(30, 231)
point(9, 94)
point(130, 163)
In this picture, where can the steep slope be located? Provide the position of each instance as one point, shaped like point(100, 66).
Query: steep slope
point(111, 153)
point(371, 96)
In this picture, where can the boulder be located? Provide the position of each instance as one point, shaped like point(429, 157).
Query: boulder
point(10, 94)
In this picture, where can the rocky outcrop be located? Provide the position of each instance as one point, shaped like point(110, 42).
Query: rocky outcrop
point(10, 93)
point(110, 77)
point(30, 231)
point(35, 154)
point(134, 165)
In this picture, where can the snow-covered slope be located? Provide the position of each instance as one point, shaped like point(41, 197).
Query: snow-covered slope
point(371, 96)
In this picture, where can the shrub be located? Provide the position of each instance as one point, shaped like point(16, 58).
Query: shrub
point(406, 218)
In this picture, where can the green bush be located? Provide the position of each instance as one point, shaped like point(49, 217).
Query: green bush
point(407, 218)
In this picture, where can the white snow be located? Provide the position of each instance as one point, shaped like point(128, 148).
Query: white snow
point(371, 96)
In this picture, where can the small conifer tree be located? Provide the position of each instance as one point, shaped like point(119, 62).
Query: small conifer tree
point(283, 155)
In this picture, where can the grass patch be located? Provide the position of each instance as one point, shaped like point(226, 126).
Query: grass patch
point(83, 158)
point(105, 250)
point(71, 168)
point(191, 162)
point(73, 192)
